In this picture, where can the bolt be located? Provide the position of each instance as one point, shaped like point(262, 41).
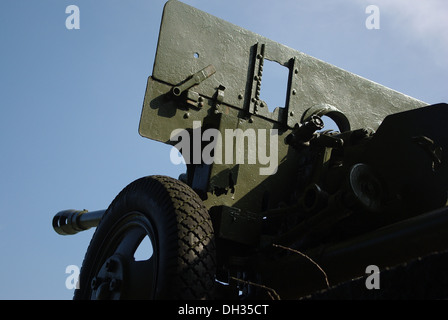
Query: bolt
point(291, 113)
point(114, 284)
point(294, 91)
point(240, 96)
point(186, 115)
point(110, 265)
point(94, 283)
point(296, 71)
point(259, 56)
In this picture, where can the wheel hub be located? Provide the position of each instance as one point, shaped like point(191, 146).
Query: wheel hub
point(108, 284)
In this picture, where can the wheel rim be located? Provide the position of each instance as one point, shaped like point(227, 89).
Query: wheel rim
point(119, 275)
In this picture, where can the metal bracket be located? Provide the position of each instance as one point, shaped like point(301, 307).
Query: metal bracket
point(293, 98)
point(220, 94)
point(256, 80)
point(194, 99)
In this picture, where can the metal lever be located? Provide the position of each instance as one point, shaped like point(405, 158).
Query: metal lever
point(195, 79)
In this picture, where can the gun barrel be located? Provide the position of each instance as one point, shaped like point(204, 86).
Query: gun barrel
point(68, 222)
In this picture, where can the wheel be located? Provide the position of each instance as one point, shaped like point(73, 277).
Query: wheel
point(176, 222)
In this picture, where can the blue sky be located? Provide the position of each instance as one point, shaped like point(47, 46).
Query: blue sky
point(71, 101)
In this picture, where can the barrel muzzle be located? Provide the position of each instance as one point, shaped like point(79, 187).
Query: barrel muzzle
point(68, 222)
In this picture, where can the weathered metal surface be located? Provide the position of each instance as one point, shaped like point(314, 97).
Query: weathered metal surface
point(162, 115)
point(190, 40)
point(234, 225)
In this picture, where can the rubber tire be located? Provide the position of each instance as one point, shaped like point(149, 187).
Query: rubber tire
point(187, 254)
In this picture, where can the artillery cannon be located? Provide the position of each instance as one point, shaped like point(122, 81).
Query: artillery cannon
point(273, 203)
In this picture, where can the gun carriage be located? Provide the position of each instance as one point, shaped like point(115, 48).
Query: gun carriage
point(311, 210)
